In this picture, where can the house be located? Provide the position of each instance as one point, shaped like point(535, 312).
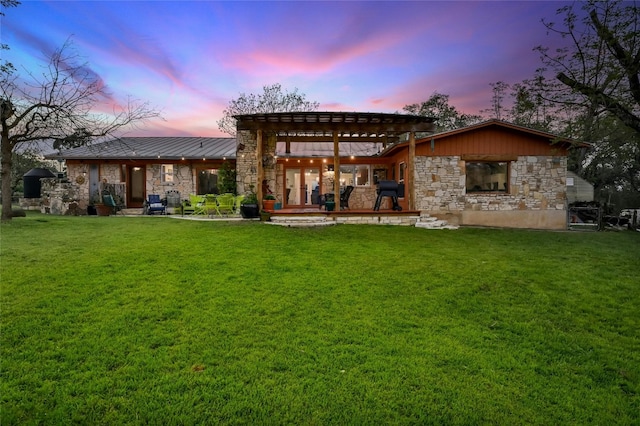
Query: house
point(489, 174)
point(146, 165)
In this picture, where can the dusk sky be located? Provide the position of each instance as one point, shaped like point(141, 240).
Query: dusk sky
point(190, 58)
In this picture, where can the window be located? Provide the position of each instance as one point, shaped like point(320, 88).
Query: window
point(401, 173)
point(355, 175)
point(486, 176)
point(207, 181)
point(167, 173)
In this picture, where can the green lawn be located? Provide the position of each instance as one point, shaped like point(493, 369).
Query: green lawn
point(153, 320)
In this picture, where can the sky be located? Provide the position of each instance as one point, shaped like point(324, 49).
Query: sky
point(190, 58)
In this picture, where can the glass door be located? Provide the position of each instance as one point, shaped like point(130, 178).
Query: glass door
point(302, 187)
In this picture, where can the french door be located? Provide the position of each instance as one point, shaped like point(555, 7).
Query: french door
point(302, 186)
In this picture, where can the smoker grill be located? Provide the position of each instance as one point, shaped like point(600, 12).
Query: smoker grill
point(389, 188)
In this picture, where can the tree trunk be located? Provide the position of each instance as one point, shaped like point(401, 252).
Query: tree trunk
point(5, 175)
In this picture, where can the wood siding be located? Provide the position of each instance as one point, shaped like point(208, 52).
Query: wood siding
point(489, 141)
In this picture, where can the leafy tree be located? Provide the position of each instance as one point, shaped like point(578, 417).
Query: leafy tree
point(598, 85)
point(227, 176)
point(272, 99)
point(448, 117)
point(601, 65)
point(58, 104)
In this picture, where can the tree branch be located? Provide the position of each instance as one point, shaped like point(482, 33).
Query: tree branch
point(604, 100)
point(629, 63)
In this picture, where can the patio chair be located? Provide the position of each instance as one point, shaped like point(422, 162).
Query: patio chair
point(109, 201)
point(237, 202)
point(154, 205)
point(224, 205)
point(344, 197)
point(196, 204)
point(210, 204)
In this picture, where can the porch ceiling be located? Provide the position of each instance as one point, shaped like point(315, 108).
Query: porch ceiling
point(350, 125)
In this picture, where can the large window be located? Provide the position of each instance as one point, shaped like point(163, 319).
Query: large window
point(486, 176)
point(207, 181)
point(355, 175)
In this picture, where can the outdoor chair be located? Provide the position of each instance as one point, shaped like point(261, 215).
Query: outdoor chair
point(210, 204)
point(188, 205)
point(108, 200)
point(224, 205)
point(344, 197)
point(237, 202)
point(196, 204)
point(154, 205)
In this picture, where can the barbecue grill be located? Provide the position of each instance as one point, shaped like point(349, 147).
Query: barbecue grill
point(389, 188)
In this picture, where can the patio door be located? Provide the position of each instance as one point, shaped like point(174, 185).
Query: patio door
point(302, 187)
point(136, 186)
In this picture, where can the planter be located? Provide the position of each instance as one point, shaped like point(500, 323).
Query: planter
point(265, 216)
point(330, 206)
point(268, 204)
point(103, 210)
point(249, 211)
point(91, 210)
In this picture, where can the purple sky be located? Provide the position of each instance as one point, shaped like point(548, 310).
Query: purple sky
point(189, 58)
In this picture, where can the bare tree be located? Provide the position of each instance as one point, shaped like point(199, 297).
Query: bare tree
point(60, 103)
point(499, 90)
point(273, 99)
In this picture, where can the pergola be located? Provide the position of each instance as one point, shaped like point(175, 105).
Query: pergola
point(341, 127)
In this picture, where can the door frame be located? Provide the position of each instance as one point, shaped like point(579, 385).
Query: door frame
point(302, 170)
point(131, 202)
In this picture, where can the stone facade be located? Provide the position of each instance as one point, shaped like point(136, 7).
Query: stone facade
point(61, 198)
point(247, 162)
point(183, 182)
point(536, 197)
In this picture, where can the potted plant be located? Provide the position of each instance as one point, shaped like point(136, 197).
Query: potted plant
point(96, 206)
point(249, 206)
point(269, 202)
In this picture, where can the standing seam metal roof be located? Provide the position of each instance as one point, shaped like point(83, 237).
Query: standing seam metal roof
point(148, 148)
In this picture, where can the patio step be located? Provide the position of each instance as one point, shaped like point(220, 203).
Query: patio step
point(132, 212)
point(428, 222)
point(302, 221)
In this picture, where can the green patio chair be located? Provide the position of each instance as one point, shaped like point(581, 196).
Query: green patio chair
point(210, 204)
point(224, 205)
point(198, 204)
point(237, 202)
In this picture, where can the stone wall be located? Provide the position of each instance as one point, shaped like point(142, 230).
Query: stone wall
point(537, 189)
point(247, 162)
point(183, 180)
point(62, 198)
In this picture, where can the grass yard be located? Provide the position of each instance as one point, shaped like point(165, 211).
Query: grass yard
point(153, 320)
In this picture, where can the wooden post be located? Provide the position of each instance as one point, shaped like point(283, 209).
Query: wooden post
point(336, 170)
point(411, 172)
point(260, 171)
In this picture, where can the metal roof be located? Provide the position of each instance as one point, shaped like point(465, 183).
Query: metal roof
point(149, 148)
